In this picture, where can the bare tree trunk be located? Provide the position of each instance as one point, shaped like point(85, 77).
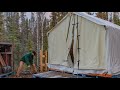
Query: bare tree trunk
point(37, 44)
point(43, 18)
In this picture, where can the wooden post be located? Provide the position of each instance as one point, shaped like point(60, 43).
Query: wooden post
point(46, 60)
point(2, 61)
point(12, 52)
point(41, 59)
point(45, 56)
point(6, 59)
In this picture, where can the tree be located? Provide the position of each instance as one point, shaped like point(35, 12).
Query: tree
point(32, 32)
point(111, 16)
point(116, 19)
point(23, 32)
point(102, 15)
point(13, 32)
point(17, 35)
point(60, 15)
point(39, 21)
point(16, 28)
point(29, 43)
point(53, 19)
point(2, 37)
point(56, 17)
point(45, 30)
point(12, 26)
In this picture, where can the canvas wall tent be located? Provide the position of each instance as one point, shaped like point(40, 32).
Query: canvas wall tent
point(96, 45)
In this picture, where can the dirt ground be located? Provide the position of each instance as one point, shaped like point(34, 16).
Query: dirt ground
point(51, 74)
point(24, 74)
point(21, 76)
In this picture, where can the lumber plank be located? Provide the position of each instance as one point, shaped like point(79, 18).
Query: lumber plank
point(2, 61)
point(46, 60)
point(41, 58)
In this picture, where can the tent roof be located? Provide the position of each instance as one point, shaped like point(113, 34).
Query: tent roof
point(96, 20)
point(91, 18)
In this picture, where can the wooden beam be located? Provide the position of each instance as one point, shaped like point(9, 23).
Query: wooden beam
point(46, 60)
point(12, 61)
point(41, 59)
point(6, 52)
point(2, 61)
point(5, 43)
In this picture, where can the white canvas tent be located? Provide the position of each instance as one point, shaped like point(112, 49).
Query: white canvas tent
point(96, 45)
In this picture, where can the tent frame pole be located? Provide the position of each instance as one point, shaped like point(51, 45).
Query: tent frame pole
point(68, 33)
point(69, 27)
point(72, 34)
point(73, 40)
point(78, 44)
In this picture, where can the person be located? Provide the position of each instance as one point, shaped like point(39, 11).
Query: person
point(28, 60)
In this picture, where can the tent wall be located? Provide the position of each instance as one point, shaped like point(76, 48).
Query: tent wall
point(58, 48)
point(113, 49)
point(92, 54)
point(92, 45)
point(99, 47)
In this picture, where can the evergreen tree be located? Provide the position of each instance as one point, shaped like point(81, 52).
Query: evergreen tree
point(23, 32)
point(116, 19)
point(13, 32)
point(1, 27)
point(33, 27)
point(45, 30)
point(53, 19)
point(29, 44)
point(56, 17)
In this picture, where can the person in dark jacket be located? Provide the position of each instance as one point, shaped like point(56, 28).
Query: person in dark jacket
point(28, 60)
